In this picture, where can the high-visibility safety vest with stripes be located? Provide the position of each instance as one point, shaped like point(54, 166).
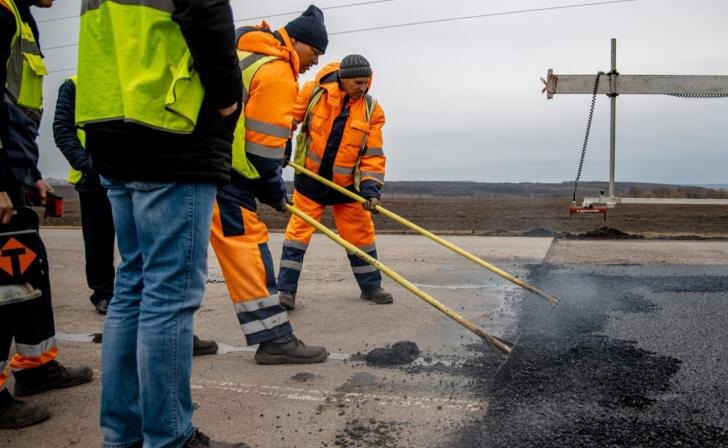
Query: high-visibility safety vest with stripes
point(134, 65)
point(250, 63)
point(75, 176)
point(25, 66)
point(303, 141)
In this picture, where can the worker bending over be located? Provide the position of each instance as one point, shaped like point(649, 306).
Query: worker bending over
point(270, 62)
point(340, 140)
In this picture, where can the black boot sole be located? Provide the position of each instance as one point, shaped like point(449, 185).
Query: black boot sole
point(205, 351)
point(268, 359)
point(377, 302)
point(30, 421)
point(288, 307)
point(25, 391)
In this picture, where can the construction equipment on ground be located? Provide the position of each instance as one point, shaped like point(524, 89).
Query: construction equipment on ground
point(587, 210)
point(20, 258)
point(499, 344)
point(523, 284)
point(615, 84)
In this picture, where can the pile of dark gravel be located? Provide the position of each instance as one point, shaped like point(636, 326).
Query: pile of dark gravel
point(400, 353)
point(568, 385)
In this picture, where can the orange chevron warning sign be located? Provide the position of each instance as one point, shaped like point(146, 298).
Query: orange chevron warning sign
point(15, 257)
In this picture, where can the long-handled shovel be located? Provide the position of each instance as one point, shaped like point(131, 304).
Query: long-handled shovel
point(523, 284)
point(501, 345)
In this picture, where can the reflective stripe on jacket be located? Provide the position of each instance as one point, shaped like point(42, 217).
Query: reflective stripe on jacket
point(142, 72)
point(25, 66)
point(270, 87)
point(360, 151)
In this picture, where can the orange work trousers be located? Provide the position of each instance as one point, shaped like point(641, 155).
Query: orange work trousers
point(354, 225)
point(240, 241)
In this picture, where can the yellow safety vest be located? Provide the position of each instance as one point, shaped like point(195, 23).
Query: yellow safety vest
point(134, 65)
point(25, 66)
point(75, 176)
point(249, 65)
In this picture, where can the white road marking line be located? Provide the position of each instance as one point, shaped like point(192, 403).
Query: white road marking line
point(223, 348)
point(301, 394)
point(74, 337)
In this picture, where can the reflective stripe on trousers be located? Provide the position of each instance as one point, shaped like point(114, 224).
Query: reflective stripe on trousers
point(3, 374)
point(34, 355)
point(30, 324)
point(354, 225)
point(240, 241)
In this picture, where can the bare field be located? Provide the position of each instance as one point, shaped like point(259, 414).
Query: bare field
point(509, 217)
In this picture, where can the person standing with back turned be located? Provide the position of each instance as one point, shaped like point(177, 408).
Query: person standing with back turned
point(158, 96)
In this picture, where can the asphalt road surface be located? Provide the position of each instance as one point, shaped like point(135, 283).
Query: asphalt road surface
point(634, 355)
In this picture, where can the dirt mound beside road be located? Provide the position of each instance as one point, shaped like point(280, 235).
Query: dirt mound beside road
point(606, 233)
point(499, 216)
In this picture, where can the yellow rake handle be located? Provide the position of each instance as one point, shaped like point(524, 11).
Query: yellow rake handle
point(523, 284)
point(494, 341)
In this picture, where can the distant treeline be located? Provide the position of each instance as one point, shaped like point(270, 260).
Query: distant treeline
point(536, 189)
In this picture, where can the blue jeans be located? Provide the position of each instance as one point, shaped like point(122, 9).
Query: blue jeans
point(163, 230)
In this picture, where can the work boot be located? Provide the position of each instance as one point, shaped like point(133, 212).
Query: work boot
point(52, 375)
point(201, 347)
point(199, 440)
point(287, 299)
point(378, 296)
point(289, 349)
point(19, 414)
point(102, 306)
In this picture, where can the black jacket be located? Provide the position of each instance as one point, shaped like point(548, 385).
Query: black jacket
point(66, 138)
point(19, 125)
point(127, 151)
point(7, 30)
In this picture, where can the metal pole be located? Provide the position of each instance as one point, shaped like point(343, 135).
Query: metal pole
point(612, 123)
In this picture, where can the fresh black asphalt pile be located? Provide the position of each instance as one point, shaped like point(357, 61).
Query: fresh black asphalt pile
point(580, 377)
point(402, 352)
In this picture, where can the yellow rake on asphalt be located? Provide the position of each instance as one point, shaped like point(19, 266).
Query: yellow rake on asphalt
point(501, 345)
point(523, 284)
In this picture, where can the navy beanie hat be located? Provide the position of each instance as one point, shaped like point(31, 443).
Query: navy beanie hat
point(309, 28)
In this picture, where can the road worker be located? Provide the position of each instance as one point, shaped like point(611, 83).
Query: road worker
point(341, 140)
point(26, 312)
point(270, 62)
point(158, 96)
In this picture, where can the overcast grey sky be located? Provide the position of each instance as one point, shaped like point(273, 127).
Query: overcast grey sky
point(463, 99)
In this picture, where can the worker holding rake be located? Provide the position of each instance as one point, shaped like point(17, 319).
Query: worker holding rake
point(340, 140)
point(270, 62)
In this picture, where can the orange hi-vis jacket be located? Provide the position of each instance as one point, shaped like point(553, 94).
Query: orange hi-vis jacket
point(238, 236)
point(269, 109)
point(369, 160)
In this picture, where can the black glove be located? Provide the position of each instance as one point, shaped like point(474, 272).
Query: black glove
point(287, 155)
point(371, 205)
point(281, 205)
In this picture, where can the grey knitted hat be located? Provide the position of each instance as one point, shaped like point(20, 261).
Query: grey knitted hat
point(354, 66)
